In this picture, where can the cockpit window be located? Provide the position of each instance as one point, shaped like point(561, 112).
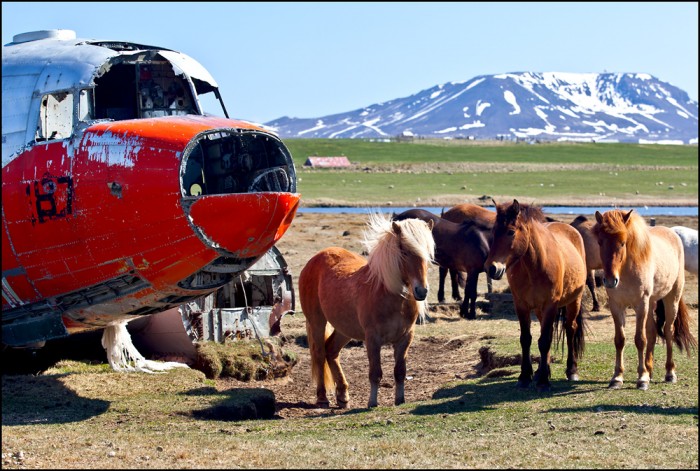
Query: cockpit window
point(55, 117)
point(132, 90)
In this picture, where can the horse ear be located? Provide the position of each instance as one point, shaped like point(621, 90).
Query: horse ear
point(431, 224)
point(397, 229)
point(494, 202)
point(514, 209)
point(599, 217)
point(626, 217)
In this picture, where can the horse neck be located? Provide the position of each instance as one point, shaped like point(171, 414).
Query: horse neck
point(539, 240)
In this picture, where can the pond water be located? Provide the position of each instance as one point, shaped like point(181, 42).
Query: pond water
point(573, 210)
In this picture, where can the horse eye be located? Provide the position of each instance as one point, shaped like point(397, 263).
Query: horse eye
point(511, 232)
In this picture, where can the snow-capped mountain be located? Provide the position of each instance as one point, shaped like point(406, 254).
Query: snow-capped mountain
point(622, 107)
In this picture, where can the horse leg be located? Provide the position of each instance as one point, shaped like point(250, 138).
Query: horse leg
point(618, 315)
point(400, 355)
point(590, 282)
point(454, 276)
point(316, 334)
point(574, 339)
point(525, 342)
point(489, 283)
point(334, 345)
point(651, 340)
point(640, 341)
point(374, 346)
point(544, 343)
point(441, 285)
point(468, 307)
point(671, 309)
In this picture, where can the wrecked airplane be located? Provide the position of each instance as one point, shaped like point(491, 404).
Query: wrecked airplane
point(130, 196)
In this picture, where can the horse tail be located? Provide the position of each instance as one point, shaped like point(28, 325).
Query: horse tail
point(579, 337)
point(320, 353)
point(682, 336)
point(579, 341)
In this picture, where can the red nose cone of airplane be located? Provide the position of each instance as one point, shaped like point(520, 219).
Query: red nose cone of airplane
point(245, 224)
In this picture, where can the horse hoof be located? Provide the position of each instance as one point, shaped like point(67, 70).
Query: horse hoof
point(642, 385)
point(371, 405)
point(615, 384)
point(595, 309)
point(671, 378)
point(342, 401)
point(573, 377)
point(322, 404)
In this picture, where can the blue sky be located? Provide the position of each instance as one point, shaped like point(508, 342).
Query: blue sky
point(306, 60)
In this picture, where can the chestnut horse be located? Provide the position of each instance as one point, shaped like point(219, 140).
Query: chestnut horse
point(546, 270)
point(643, 265)
point(458, 248)
point(378, 300)
point(585, 227)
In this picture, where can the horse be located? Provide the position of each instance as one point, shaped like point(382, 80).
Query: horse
point(546, 270)
point(585, 227)
point(481, 218)
point(689, 237)
point(458, 248)
point(377, 300)
point(643, 267)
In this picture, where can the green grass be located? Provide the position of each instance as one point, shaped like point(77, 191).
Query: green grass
point(365, 152)
point(446, 172)
point(583, 184)
point(79, 416)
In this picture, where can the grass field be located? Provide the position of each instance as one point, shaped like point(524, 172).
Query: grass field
point(83, 415)
point(449, 172)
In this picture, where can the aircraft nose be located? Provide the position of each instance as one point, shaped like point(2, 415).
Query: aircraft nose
point(244, 224)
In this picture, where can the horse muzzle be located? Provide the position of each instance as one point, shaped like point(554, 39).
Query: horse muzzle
point(420, 293)
point(495, 270)
point(611, 282)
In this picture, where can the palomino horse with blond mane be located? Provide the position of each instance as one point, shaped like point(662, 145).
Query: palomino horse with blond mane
point(644, 266)
point(378, 300)
point(546, 269)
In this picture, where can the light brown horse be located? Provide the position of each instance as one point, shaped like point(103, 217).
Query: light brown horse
point(378, 300)
point(643, 265)
point(585, 227)
point(546, 270)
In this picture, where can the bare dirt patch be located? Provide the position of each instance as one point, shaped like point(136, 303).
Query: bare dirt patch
point(447, 348)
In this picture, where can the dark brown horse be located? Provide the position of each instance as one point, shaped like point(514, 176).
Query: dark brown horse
point(478, 216)
point(585, 227)
point(458, 248)
point(546, 269)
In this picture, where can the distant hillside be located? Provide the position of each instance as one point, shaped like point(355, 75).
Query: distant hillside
point(620, 107)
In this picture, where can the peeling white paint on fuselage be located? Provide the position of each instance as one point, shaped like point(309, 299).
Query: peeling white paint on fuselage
point(113, 149)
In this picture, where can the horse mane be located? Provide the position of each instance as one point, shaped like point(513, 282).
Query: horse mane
point(384, 247)
point(579, 219)
point(638, 242)
point(531, 213)
point(528, 212)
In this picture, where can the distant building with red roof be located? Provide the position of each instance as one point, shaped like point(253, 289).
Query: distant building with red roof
point(327, 162)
